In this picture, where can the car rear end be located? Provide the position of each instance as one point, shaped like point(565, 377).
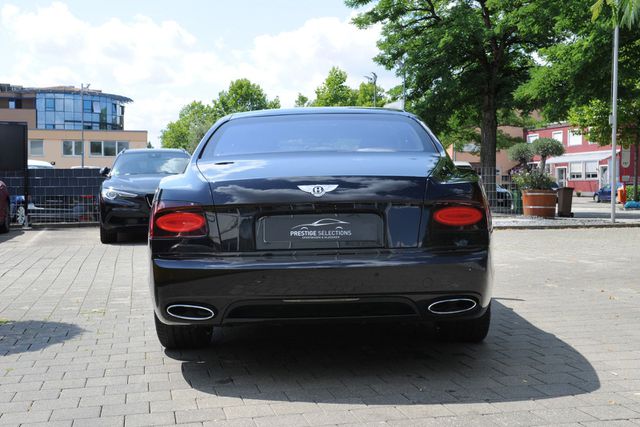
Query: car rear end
point(379, 232)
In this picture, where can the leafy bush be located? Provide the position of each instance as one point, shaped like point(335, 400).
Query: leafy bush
point(629, 189)
point(521, 153)
point(534, 180)
point(547, 147)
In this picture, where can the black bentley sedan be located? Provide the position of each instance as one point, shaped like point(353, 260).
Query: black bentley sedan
point(127, 193)
point(318, 214)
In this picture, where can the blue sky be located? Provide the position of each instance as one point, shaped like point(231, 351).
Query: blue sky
point(164, 54)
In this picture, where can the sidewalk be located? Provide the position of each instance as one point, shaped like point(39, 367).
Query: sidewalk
point(587, 213)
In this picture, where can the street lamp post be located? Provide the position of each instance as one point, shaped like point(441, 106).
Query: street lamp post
point(373, 78)
point(82, 89)
point(614, 121)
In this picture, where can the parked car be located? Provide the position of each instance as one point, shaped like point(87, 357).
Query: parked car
point(5, 208)
point(504, 197)
point(318, 214)
point(39, 164)
point(53, 208)
point(127, 193)
point(56, 208)
point(604, 193)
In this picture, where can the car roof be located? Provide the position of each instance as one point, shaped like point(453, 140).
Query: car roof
point(319, 110)
point(154, 150)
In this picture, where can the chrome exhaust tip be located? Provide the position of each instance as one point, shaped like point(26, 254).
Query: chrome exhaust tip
point(452, 306)
point(190, 312)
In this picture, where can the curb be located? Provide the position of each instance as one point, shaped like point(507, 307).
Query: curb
point(564, 226)
point(57, 225)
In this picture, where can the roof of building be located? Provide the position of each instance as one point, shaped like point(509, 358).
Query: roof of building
point(6, 87)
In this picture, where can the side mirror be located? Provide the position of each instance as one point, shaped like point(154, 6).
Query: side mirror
point(105, 171)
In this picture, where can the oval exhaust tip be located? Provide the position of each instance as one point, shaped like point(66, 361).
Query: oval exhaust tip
point(452, 306)
point(190, 312)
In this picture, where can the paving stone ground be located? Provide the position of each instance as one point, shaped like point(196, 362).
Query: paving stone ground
point(78, 348)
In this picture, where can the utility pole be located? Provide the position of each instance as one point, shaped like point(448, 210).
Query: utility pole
point(82, 89)
point(614, 121)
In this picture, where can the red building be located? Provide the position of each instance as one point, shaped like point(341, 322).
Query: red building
point(585, 164)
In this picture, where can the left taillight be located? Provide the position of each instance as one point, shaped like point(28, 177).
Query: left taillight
point(177, 220)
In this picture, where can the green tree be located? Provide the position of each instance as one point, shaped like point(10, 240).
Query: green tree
point(186, 132)
point(545, 148)
point(242, 95)
point(334, 92)
point(462, 55)
point(521, 153)
point(301, 101)
point(627, 11)
point(574, 78)
point(577, 70)
point(364, 95)
point(196, 118)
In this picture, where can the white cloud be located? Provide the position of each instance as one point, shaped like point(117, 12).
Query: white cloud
point(162, 66)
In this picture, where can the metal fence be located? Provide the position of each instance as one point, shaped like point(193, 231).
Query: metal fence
point(54, 196)
point(501, 191)
point(71, 195)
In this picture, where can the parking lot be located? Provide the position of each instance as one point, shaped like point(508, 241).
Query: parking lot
point(78, 347)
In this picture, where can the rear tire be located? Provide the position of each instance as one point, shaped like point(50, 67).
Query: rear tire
point(596, 198)
point(471, 330)
point(107, 236)
point(4, 228)
point(179, 337)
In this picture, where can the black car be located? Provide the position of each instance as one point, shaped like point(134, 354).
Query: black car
point(503, 196)
point(319, 214)
point(127, 193)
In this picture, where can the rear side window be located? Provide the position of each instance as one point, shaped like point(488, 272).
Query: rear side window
point(318, 133)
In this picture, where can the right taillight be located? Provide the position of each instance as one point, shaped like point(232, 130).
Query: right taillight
point(177, 220)
point(458, 216)
point(181, 222)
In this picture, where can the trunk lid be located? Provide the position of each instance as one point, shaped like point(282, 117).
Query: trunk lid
point(309, 201)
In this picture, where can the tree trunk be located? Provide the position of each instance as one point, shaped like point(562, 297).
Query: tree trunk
point(489, 132)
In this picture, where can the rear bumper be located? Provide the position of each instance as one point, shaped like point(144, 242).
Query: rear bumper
point(394, 285)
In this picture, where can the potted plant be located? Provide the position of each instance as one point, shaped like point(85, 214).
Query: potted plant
point(538, 196)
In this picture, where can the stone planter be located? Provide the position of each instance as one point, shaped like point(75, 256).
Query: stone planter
point(539, 203)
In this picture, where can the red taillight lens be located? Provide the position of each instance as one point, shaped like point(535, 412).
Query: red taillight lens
point(177, 219)
point(458, 216)
point(181, 222)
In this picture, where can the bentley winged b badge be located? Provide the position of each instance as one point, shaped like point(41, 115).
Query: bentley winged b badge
point(317, 190)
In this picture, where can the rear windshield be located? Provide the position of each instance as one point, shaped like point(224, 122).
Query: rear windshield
point(318, 133)
point(150, 163)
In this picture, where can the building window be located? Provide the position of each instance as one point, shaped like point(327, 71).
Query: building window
point(557, 136)
point(575, 170)
point(574, 137)
point(86, 106)
point(107, 148)
point(12, 104)
point(95, 148)
point(532, 137)
point(50, 104)
point(36, 147)
point(591, 170)
point(71, 148)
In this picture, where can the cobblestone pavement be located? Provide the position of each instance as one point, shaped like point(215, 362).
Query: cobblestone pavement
point(77, 346)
